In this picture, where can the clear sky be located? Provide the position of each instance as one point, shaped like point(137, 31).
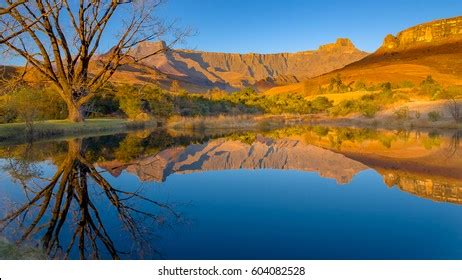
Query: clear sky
point(269, 26)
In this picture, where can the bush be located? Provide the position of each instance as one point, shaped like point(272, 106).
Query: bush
point(344, 108)
point(386, 86)
point(360, 85)
point(104, 104)
point(434, 116)
point(402, 113)
point(29, 104)
point(369, 110)
point(430, 87)
point(321, 104)
point(131, 106)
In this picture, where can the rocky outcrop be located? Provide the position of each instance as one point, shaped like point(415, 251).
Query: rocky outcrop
point(225, 154)
point(232, 70)
point(428, 34)
point(436, 189)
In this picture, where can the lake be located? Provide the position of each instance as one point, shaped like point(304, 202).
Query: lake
point(289, 193)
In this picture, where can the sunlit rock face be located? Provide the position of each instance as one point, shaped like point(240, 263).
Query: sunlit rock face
point(431, 33)
point(264, 153)
point(238, 70)
point(436, 189)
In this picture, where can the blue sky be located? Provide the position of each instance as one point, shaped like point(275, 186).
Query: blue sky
point(269, 26)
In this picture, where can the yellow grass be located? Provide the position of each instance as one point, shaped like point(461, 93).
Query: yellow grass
point(339, 97)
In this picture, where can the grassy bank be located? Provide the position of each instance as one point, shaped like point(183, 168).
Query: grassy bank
point(237, 122)
point(11, 251)
point(19, 132)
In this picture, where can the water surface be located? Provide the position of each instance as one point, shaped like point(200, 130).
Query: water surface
point(292, 193)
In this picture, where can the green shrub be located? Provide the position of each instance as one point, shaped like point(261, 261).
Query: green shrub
point(387, 86)
point(104, 104)
point(402, 113)
point(369, 110)
point(430, 87)
point(29, 104)
point(321, 104)
point(344, 108)
point(131, 106)
point(360, 85)
point(434, 116)
point(321, 130)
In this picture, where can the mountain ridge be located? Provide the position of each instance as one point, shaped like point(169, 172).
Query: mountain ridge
point(234, 70)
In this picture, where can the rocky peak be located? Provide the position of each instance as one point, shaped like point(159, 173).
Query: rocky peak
point(340, 44)
point(150, 47)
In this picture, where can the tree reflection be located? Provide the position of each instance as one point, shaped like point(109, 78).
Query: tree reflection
point(68, 201)
point(454, 144)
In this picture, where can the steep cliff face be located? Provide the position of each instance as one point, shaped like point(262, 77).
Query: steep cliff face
point(436, 189)
point(428, 34)
point(232, 70)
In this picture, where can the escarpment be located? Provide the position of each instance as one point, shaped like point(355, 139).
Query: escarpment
point(433, 33)
point(233, 70)
point(428, 49)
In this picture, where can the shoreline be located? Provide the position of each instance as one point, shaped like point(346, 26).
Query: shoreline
point(62, 129)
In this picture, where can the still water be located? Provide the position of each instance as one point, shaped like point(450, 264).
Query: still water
point(292, 193)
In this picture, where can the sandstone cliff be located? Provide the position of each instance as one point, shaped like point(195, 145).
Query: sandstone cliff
point(433, 48)
point(428, 34)
point(436, 189)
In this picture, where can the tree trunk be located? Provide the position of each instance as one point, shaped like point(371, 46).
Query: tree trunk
point(75, 113)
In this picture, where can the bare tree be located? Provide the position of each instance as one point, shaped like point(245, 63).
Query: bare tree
point(6, 10)
point(60, 39)
point(10, 6)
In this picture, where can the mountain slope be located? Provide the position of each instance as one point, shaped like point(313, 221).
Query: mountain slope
point(204, 70)
point(433, 48)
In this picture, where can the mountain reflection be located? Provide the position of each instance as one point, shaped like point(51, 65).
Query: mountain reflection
point(426, 164)
point(66, 185)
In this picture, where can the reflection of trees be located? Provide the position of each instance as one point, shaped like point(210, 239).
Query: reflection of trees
point(454, 144)
point(67, 201)
point(20, 166)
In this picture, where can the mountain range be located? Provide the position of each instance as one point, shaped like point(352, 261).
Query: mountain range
point(433, 48)
point(198, 71)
